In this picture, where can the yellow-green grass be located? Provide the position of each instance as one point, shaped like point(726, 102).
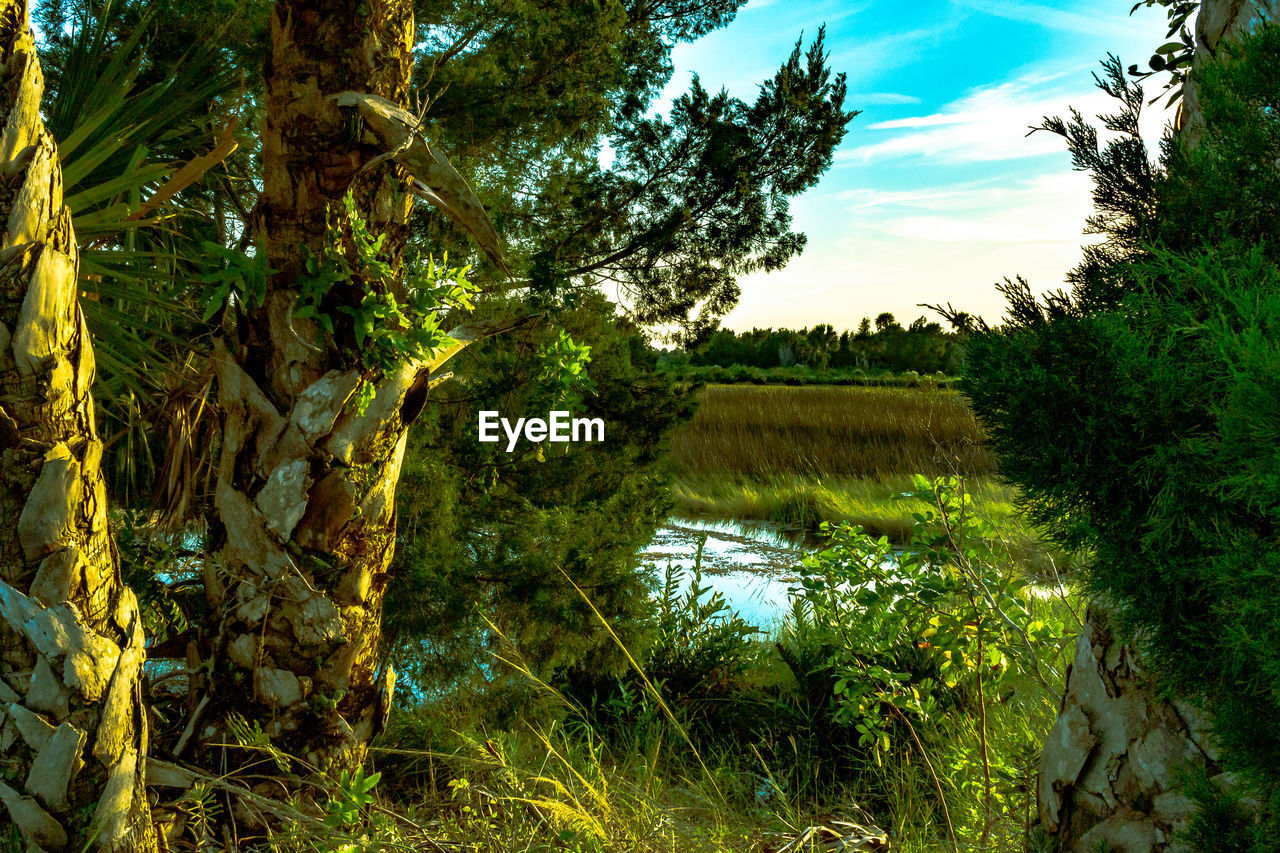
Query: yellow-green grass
point(804, 455)
point(830, 432)
point(808, 501)
point(872, 504)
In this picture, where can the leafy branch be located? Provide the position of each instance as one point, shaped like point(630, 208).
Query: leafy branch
point(1174, 57)
point(387, 329)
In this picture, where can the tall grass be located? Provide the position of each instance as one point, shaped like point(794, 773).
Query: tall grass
point(804, 455)
point(808, 501)
point(762, 763)
point(549, 783)
point(772, 772)
point(841, 432)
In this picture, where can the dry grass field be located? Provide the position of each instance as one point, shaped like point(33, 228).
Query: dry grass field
point(802, 455)
point(830, 432)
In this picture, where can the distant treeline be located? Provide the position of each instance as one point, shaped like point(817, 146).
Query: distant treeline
point(880, 345)
point(799, 374)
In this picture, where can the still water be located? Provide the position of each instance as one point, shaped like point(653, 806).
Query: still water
point(750, 563)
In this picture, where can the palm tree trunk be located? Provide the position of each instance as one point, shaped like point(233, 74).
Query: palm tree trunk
point(73, 732)
point(305, 494)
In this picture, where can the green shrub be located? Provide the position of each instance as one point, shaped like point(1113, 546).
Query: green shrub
point(1221, 823)
point(1141, 413)
point(484, 535)
point(701, 647)
point(913, 631)
point(918, 644)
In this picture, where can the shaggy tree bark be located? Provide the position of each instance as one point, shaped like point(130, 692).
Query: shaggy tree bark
point(306, 485)
point(1109, 770)
point(1216, 22)
point(73, 735)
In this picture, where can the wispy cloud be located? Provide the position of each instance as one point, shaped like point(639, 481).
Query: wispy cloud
point(876, 56)
point(882, 98)
point(1047, 16)
point(947, 243)
point(1047, 209)
point(989, 123)
point(935, 198)
point(826, 10)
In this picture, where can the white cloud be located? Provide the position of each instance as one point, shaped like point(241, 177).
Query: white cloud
point(1046, 209)
point(935, 120)
point(897, 249)
point(990, 123)
point(932, 199)
point(825, 11)
point(873, 58)
point(1057, 19)
point(882, 98)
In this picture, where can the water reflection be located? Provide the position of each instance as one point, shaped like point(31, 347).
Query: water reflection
point(750, 563)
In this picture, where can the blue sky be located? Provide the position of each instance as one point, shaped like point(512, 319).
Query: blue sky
point(936, 192)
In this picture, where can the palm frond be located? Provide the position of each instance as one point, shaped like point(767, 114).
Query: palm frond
point(135, 141)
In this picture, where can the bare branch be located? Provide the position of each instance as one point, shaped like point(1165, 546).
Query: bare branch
point(437, 181)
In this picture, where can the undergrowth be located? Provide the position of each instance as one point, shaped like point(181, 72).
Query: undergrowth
point(878, 716)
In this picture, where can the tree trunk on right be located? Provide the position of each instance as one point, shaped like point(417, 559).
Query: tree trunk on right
point(1110, 766)
point(1109, 770)
point(1218, 21)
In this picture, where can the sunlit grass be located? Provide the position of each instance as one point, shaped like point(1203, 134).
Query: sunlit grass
point(902, 789)
point(804, 455)
point(873, 504)
point(830, 432)
point(562, 785)
point(526, 768)
point(807, 501)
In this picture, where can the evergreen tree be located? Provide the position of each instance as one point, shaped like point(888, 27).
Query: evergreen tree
point(487, 534)
point(689, 202)
point(1139, 412)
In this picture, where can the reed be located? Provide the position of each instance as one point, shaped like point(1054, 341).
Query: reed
point(836, 432)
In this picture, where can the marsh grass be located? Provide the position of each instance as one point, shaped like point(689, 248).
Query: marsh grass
point(830, 432)
point(808, 501)
point(565, 785)
point(900, 789)
point(764, 781)
point(519, 765)
point(873, 504)
point(804, 455)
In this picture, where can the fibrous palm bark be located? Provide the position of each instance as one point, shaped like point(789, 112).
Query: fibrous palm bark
point(73, 734)
point(306, 487)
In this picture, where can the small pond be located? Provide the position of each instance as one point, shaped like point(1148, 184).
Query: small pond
point(750, 563)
